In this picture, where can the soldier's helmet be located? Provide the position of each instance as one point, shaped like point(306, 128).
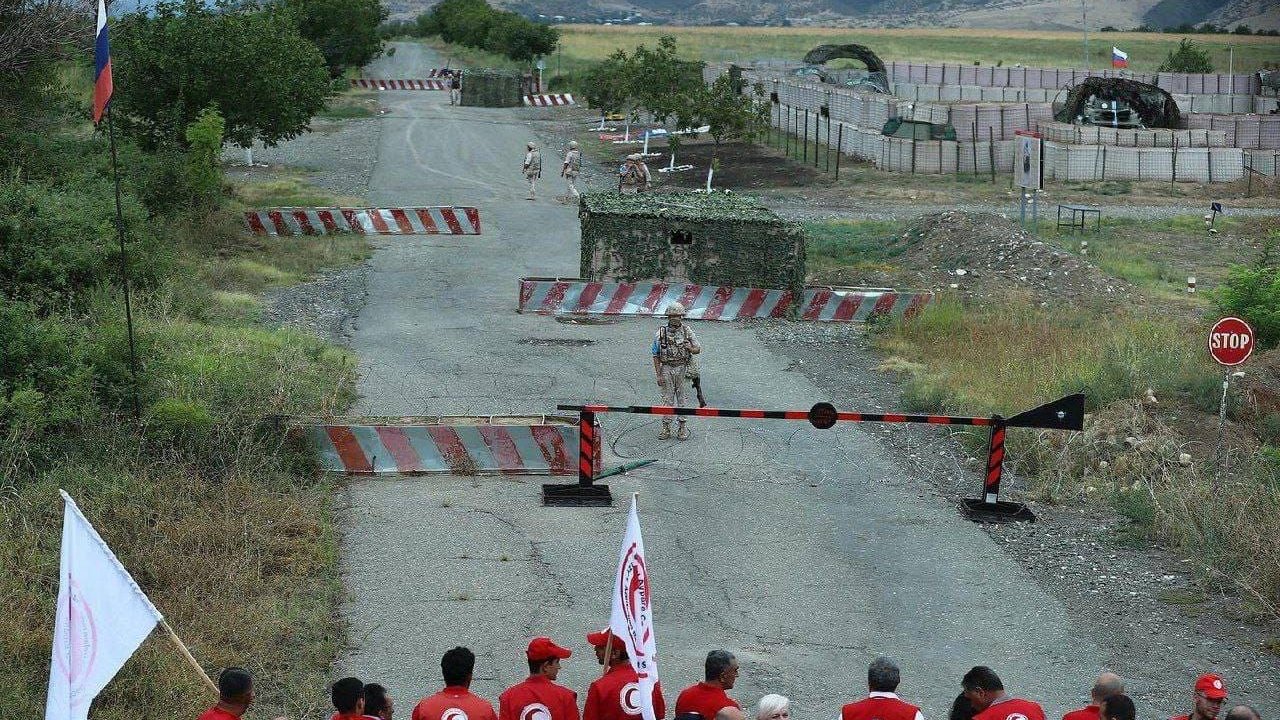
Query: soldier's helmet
point(675, 309)
point(573, 144)
point(532, 146)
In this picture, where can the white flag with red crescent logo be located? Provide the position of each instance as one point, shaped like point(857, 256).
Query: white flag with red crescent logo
point(102, 618)
point(632, 618)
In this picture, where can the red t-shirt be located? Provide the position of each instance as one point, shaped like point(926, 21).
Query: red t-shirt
point(1010, 708)
point(614, 696)
point(1181, 717)
point(217, 713)
point(348, 716)
point(1088, 712)
point(879, 707)
point(705, 699)
point(538, 698)
point(454, 703)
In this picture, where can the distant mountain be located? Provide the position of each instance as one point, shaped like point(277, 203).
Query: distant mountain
point(1025, 14)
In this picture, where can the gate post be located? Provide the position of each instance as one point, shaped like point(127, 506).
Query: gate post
point(585, 492)
point(989, 507)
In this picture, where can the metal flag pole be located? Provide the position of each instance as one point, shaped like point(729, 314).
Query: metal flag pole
point(124, 268)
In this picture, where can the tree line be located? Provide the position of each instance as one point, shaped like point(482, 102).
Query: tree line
point(475, 24)
point(1205, 29)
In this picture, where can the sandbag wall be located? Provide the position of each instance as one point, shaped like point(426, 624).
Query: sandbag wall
point(1107, 162)
point(1134, 137)
point(1052, 78)
point(1243, 131)
point(1188, 103)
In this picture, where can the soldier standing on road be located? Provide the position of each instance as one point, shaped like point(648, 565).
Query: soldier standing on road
point(532, 168)
point(455, 87)
point(569, 171)
point(674, 346)
point(634, 176)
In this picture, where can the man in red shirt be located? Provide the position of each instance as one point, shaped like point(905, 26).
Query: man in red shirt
point(1210, 693)
point(539, 697)
point(377, 702)
point(616, 695)
point(235, 695)
point(455, 701)
point(882, 702)
point(1105, 686)
point(348, 699)
point(708, 698)
point(1119, 707)
point(983, 689)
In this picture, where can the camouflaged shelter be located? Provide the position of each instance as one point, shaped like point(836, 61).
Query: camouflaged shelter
point(487, 87)
point(716, 239)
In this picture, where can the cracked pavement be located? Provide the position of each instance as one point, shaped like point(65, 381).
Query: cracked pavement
point(805, 552)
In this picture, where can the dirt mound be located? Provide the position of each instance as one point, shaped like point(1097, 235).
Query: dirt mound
point(981, 254)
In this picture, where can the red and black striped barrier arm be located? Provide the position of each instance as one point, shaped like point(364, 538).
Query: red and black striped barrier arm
point(1064, 414)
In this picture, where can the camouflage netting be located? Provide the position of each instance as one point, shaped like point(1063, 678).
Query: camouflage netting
point(1155, 106)
point(486, 87)
point(716, 239)
point(877, 76)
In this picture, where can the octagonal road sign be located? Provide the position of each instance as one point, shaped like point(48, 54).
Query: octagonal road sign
point(1231, 341)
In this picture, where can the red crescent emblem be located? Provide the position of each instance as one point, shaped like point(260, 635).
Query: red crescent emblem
point(628, 698)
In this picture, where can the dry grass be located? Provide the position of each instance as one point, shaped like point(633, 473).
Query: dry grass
point(1025, 47)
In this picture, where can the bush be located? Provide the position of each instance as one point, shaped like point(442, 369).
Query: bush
point(171, 420)
point(1253, 293)
point(346, 31)
point(204, 159)
point(474, 24)
point(1188, 58)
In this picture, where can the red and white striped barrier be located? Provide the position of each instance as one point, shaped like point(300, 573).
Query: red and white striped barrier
point(537, 447)
point(371, 84)
point(550, 100)
point(556, 296)
point(364, 221)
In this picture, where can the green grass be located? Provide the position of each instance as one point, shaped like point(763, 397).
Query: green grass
point(1029, 48)
point(287, 188)
point(864, 244)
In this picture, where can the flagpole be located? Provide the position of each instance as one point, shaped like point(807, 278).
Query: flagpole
point(182, 648)
point(124, 271)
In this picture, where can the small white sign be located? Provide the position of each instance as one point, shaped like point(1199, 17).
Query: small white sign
point(1027, 170)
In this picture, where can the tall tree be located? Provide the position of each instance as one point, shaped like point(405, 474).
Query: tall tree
point(730, 114)
point(346, 31)
point(265, 78)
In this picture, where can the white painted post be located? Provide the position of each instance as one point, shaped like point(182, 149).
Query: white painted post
point(248, 156)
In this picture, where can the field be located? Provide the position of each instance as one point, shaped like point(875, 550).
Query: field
point(1010, 47)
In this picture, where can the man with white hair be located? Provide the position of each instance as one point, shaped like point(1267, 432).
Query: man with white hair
point(569, 171)
point(532, 167)
point(673, 349)
point(882, 702)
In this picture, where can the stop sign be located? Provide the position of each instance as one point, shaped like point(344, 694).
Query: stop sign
point(1231, 341)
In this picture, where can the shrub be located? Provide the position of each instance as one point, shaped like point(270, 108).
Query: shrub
point(178, 421)
point(346, 31)
point(204, 140)
point(1188, 58)
point(1253, 292)
point(474, 24)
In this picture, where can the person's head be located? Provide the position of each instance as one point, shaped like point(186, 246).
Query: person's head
point(773, 707)
point(544, 657)
point(573, 144)
point(982, 687)
point(1105, 686)
point(457, 666)
point(1210, 693)
point(961, 708)
point(883, 675)
point(1118, 707)
point(348, 696)
point(531, 145)
point(675, 314)
point(235, 687)
point(722, 668)
point(1243, 712)
point(377, 702)
point(600, 642)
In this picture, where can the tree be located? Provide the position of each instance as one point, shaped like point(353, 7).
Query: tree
point(1188, 58)
point(611, 84)
point(34, 37)
point(264, 77)
point(729, 114)
point(346, 31)
point(517, 38)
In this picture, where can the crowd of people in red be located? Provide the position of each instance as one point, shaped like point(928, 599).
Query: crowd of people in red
point(616, 695)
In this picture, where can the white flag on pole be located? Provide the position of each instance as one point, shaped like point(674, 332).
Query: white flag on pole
point(102, 618)
point(632, 618)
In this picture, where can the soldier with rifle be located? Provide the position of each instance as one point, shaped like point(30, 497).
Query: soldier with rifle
point(674, 346)
point(532, 167)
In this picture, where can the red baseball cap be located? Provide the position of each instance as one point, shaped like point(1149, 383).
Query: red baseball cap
point(600, 639)
point(1212, 686)
point(541, 648)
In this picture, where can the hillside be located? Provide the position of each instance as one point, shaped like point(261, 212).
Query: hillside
point(1024, 14)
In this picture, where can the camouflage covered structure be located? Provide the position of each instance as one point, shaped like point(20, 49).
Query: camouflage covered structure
point(716, 239)
point(486, 87)
point(1156, 107)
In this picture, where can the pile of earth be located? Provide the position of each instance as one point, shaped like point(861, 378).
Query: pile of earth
point(982, 255)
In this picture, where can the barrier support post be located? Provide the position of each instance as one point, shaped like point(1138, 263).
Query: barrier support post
point(989, 507)
point(585, 492)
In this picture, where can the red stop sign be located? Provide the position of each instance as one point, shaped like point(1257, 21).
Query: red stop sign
point(1231, 341)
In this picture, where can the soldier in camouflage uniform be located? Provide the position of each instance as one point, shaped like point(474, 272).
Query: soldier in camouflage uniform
point(570, 170)
point(532, 167)
point(674, 346)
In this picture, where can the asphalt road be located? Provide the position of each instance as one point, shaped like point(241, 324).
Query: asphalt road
point(805, 552)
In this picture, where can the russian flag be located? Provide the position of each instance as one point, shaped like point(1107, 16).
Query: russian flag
point(1119, 58)
point(102, 66)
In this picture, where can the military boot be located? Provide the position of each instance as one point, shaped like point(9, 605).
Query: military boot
point(682, 433)
point(665, 433)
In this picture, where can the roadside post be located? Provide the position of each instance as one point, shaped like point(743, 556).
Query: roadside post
point(1231, 342)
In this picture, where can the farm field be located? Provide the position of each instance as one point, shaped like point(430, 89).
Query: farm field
point(1010, 47)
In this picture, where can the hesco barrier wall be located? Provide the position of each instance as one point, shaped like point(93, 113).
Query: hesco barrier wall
point(1245, 131)
point(1103, 162)
point(1095, 135)
point(1053, 78)
point(973, 93)
point(1263, 162)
